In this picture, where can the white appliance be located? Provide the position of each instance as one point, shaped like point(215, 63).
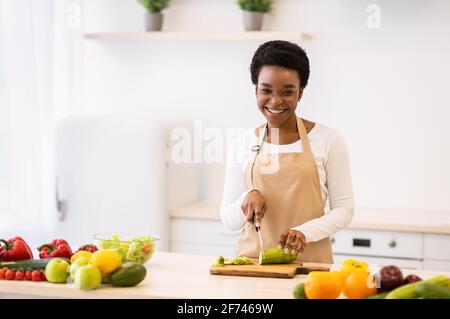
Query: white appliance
point(379, 247)
point(111, 177)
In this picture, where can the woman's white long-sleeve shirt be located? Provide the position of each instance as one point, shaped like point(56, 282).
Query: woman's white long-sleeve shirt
point(333, 164)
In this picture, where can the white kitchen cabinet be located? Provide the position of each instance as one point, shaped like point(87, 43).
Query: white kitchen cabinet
point(436, 265)
point(437, 247)
point(437, 252)
point(203, 249)
point(197, 231)
point(205, 237)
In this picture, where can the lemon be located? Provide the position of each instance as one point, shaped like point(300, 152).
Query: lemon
point(84, 254)
point(107, 260)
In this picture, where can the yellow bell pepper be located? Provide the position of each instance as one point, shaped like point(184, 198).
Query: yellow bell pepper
point(350, 265)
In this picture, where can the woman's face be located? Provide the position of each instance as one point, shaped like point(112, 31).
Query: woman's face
point(277, 93)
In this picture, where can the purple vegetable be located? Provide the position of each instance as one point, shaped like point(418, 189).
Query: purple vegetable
point(391, 277)
point(411, 279)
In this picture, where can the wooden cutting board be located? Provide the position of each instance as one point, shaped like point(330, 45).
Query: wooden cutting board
point(269, 271)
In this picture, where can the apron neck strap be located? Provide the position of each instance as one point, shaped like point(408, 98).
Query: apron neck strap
point(303, 135)
point(261, 136)
point(255, 151)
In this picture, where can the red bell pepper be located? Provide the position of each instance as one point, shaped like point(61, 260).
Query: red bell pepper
point(15, 249)
point(88, 247)
point(57, 248)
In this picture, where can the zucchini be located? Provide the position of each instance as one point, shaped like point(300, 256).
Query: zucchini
point(28, 263)
point(275, 256)
point(378, 296)
point(221, 261)
point(429, 291)
point(299, 292)
point(409, 291)
point(238, 261)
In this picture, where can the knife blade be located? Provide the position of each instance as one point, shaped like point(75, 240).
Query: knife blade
point(258, 230)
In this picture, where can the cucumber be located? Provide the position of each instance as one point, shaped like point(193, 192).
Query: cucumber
point(409, 291)
point(128, 275)
point(238, 261)
point(299, 292)
point(275, 256)
point(28, 263)
point(220, 261)
point(429, 291)
point(378, 296)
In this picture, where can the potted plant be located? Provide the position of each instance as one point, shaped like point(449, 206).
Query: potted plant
point(154, 17)
point(254, 12)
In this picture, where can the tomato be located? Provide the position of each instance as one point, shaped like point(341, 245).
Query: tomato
point(43, 278)
point(36, 275)
point(9, 274)
point(359, 284)
point(28, 275)
point(20, 274)
point(2, 274)
point(147, 248)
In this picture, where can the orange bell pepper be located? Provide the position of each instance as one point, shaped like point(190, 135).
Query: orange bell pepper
point(323, 285)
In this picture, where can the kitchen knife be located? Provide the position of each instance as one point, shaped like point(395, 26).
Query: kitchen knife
point(258, 230)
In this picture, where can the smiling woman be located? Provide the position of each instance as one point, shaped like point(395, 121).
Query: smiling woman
point(278, 100)
point(280, 72)
point(308, 165)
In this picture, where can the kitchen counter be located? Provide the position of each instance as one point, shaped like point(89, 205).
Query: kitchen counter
point(376, 219)
point(172, 275)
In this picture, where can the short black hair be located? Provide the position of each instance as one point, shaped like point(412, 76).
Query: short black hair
point(281, 53)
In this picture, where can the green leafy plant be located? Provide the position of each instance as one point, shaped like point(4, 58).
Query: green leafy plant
point(155, 6)
point(256, 5)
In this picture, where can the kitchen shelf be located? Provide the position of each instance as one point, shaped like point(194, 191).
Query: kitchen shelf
point(198, 36)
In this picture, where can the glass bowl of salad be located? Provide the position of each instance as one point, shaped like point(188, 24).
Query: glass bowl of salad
point(130, 247)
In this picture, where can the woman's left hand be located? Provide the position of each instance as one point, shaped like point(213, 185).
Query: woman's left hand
point(293, 241)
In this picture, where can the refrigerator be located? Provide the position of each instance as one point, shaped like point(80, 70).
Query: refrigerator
point(111, 176)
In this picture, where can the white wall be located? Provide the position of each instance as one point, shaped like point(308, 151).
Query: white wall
point(385, 89)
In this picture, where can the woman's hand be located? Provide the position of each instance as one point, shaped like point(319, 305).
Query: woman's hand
point(254, 204)
point(293, 241)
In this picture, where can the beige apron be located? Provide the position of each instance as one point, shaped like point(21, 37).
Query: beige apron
point(292, 194)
